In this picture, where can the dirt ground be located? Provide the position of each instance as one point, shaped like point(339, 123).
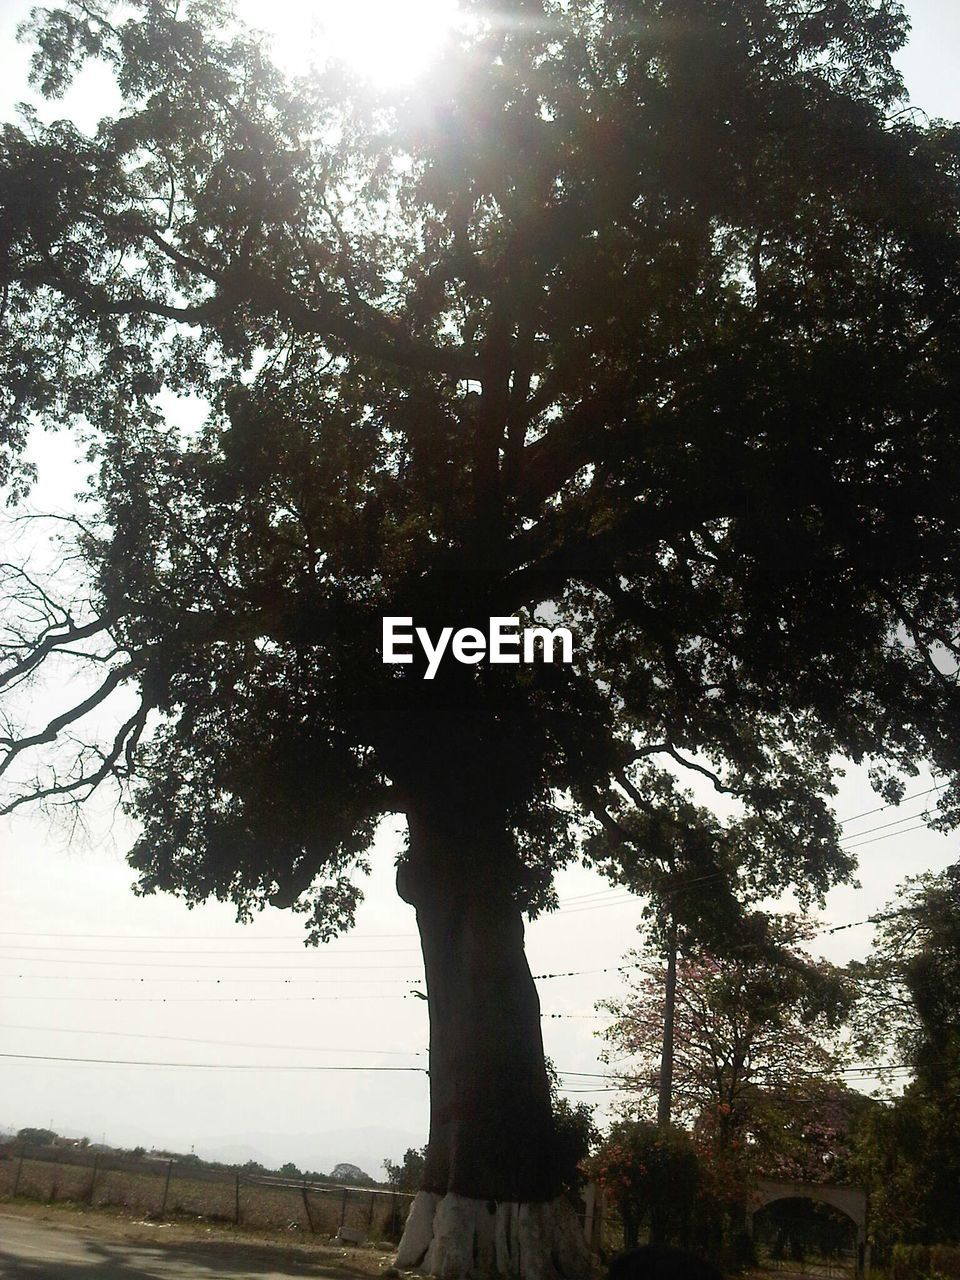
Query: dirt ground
point(260, 1250)
point(58, 1241)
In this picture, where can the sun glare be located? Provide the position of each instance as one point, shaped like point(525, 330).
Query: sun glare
point(388, 42)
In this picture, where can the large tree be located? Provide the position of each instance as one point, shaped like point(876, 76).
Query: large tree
point(639, 315)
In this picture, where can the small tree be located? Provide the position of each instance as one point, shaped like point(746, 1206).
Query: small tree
point(408, 1175)
point(652, 1176)
point(577, 1134)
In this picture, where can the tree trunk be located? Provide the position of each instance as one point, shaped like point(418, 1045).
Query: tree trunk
point(491, 1198)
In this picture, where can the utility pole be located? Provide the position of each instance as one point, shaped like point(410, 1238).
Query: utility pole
point(665, 1096)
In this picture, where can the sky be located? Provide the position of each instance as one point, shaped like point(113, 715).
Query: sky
point(315, 1056)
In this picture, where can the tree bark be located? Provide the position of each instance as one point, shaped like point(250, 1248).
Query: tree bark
point(491, 1191)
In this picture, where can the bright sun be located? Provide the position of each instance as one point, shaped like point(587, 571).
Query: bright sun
point(388, 42)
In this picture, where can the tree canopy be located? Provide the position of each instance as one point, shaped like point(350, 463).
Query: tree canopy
point(638, 316)
point(645, 319)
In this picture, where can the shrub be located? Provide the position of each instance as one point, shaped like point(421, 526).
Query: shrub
point(925, 1262)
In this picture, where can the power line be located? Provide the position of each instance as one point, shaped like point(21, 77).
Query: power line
point(408, 981)
point(72, 1000)
point(600, 1089)
point(99, 977)
point(182, 951)
point(883, 826)
point(244, 1066)
point(598, 906)
point(579, 973)
point(202, 1066)
point(203, 999)
point(228, 1044)
point(874, 919)
point(574, 899)
point(893, 804)
point(921, 826)
point(177, 937)
point(188, 964)
point(594, 1017)
point(96, 977)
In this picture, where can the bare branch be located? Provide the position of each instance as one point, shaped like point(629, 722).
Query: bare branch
point(16, 746)
point(49, 643)
point(124, 744)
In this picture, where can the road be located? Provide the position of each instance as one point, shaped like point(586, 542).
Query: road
point(31, 1250)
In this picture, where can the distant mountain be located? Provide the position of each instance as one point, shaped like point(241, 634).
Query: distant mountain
point(365, 1147)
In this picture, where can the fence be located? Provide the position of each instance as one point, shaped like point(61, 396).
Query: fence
point(160, 1188)
point(841, 1266)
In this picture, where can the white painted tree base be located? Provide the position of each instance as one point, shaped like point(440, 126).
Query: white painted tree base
point(457, 1238)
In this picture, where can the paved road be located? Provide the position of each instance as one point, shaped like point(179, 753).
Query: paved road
point(32, 1250)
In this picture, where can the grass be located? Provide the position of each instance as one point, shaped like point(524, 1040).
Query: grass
point(210, 1196)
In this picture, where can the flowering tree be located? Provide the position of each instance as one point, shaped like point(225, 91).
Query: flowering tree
point(752, 1064)
point(754, 1045)
point(649, 1172)
point(812, 1137)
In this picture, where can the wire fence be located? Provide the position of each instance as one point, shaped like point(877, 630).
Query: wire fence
point(162, 1187)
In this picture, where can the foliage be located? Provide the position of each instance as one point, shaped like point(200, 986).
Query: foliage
point(925, 1262)
point(909, 1005)
point(407, 1176)
point(907, 1157)
point(351, 1174)
point(37, 1137)
point(647, 324)
point(754, 1037)
point(577, 1133)
point(819, 1134)
point(746, 1025)
point(652, 1175)
point(909, 1013)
